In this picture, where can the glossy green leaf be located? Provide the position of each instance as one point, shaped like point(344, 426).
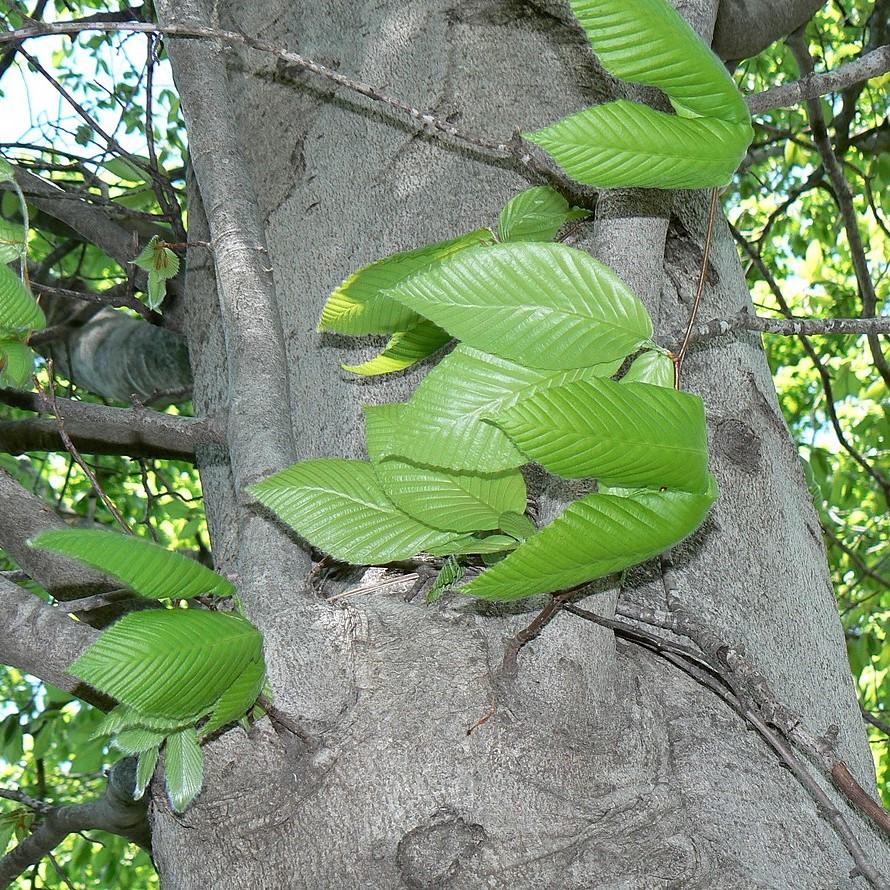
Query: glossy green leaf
point(135, 741)
point(631, 434)
point(170, 662)
point(142, 565)
point(536, 214)
point(145, 768)
point(651, 367)
point(443, 423)
point(405, 348)
point(341, 508)
point(12, 241)
point(595, 536)
point(16, 363)
point(238, 698)
point(472, 544)
point(124, 718)
point(648, 41)
point(624, 144)
point(546, 305)
point(183, 768)
point(360, 306)
point(18, 309)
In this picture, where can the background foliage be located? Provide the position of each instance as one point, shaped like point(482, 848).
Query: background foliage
point(781, 203)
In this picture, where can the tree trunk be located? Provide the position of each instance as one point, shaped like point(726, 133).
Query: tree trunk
point(600, 765)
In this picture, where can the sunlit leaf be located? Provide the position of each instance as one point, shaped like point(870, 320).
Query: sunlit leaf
point(536, 214)
point(405, 348)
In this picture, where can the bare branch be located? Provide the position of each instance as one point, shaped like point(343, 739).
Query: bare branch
point(115, 812)
point(43, 641)
point(97, 429)
point(812, 85)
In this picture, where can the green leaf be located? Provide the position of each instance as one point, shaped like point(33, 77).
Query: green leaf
point(135, 741)
point(460, 502)
point(142, 565)
point(631, 434)
point(235, 702)
point(145, 768)
point(450, 573)
point(595, 536)
point(341, 508)
point(623, 144)
point(648, 41)
point(651, 367)
point(517, 525)
point(443, 423)
point(16, 363)
point(184, 768)
point(170, 662)
point(7, 827)
point(405, 348)
point(124, 718)
point(472, 544)
point(359, 305)
point(12, 241)
point(545, 305)
point(18, 309)
point(7, 171)
point(157, 290)
point(536, 214)
point(125, 170)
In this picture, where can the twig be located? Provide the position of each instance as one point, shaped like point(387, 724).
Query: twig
point(509, 664)
point(72, 450)
point(371, 588)
point(844, 198)
point(285, 720)
point(60, 871)
point(700, 289)
point(524, 153)
point(870, 718)
point(25, 799)
point(812, 86)
point(116, 297)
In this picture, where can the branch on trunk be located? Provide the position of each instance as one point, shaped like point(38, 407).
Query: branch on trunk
point(115, 812)
point(812, 85)
point(23, 516)
point(96, 429)
point(43, 641)
point(745, 27)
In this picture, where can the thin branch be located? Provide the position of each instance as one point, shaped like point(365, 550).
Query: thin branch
point(844, 198)
point(26, 800)
point(116, 297)
point(526, 154)
point(784, 327)
point(97, 429)
point(870, 718)
point(509, 665)
point(700, 289)
point(812, 86)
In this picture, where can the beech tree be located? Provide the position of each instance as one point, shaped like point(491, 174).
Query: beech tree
point(619, 721)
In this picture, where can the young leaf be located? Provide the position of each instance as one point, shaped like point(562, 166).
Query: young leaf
point(171, 663)
point(184, 768)
point(624, 144)
point(238, 698)
point(648, 41)
point(145, 768)
point(448, 575)
point(359, 306)
point(142, 565)
point(123, 718)
point(546, 305)
point(12, 241)
point(473, 544)
point(16, 363)
point(18, 309)
point(135, 741)
point(161, 263)
point(631, 434)
point(536, 214)
point(341, 508)
point(443, 425)
point(405, 348)
point(595, 536)
point(651, 367)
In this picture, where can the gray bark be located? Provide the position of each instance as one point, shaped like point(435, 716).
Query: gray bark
point(601, 766)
